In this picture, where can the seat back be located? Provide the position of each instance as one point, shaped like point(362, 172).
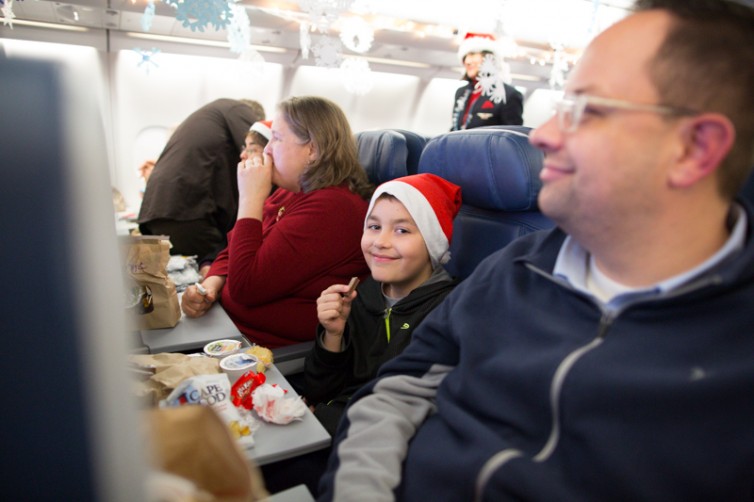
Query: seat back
point(383, 154)
point(415, 144)
point(498, 172)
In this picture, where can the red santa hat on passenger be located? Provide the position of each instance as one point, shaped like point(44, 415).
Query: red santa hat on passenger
point(477, 42)
point(433, 203)
point(263, 127)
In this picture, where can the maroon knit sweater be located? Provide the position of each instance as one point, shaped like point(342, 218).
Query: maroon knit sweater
point(277, 268)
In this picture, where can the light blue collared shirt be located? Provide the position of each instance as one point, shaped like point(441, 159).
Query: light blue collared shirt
point(574, 261)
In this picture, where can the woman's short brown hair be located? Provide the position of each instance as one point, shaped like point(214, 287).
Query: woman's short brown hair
point(322, 122)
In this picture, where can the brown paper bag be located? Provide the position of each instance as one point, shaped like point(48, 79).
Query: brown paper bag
point(154, 300)
point(194, 443)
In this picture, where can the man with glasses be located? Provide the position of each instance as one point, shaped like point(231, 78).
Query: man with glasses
point(613, 357)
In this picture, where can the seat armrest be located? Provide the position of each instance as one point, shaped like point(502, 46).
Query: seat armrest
point(290, 359)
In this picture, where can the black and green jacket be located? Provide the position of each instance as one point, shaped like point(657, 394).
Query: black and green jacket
point(374, 334)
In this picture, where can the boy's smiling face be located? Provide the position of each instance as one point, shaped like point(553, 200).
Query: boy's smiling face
point(394, 248)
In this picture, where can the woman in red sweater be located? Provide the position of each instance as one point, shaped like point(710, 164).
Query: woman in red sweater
point(289, 246)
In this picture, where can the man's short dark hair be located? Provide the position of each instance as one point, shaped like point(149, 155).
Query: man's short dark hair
point(706, 63)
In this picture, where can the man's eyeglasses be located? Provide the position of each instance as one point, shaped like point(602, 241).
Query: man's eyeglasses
point(570, 109)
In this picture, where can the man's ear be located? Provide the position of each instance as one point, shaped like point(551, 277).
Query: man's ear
point(706, 140)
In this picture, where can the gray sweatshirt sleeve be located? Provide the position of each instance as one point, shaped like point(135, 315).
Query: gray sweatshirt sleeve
point(381, 425)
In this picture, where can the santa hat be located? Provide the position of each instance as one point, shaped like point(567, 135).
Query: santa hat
point(477, 42)
point(263, 127)
point(433, 203)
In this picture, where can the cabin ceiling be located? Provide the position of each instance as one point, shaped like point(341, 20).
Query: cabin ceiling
point(276, 24)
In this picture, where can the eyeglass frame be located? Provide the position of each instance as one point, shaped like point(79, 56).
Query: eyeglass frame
point(579, 102)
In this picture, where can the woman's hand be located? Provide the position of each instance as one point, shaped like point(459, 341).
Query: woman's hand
point(333, 309)
point(196, 304)
point(254, 185)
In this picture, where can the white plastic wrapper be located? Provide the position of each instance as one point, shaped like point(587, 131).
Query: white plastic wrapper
point(214, 391)
point(271, 404)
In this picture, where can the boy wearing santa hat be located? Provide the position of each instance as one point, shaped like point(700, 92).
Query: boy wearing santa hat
point(473, 106)
point(406, 241)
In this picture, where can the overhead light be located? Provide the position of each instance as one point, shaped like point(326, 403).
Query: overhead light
point(39, 24)
point(199, 41)
point(397, 62)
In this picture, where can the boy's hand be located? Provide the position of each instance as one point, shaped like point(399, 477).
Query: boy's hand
point(333, 308)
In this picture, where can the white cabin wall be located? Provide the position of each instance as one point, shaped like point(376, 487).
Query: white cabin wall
point(435, 107)
point(146, 102)
point(142, 103)
point(85, 62)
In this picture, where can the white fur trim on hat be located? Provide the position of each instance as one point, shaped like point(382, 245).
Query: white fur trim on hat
point(423, 214)
point(478, 43)
point(263, 127)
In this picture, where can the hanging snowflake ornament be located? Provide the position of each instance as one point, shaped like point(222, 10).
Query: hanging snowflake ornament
point(357, 76)
point(357, 35)
point(327, 52)
point(197, 14)
point(252, 64)
point(8, 14)
point(559, 69)
point(147, 61)
point(239, 31)
point(148, 16)
point(304, 39)
point(490, 78)
point(322, 13)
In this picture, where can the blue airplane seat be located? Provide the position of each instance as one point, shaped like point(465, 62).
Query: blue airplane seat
point(498, 172)
point(383, 154)
point(415, 144)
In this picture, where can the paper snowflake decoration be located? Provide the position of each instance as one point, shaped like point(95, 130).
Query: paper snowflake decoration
point(491, 79)
point(147, 61)
point(322, 13)
point(558, 70)
point(196, 14)
point(357, 35)
point(304, 40)
point(252, 63)
point(327, 52)
point(357, 76)
point(147, 17)
point(8, 14)
point(239, 31)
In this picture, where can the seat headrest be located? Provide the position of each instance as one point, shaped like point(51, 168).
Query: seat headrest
point(383, 154)
point(497, 169)
point(415, 144)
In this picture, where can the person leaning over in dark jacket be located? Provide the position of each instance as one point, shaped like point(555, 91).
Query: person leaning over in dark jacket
point(475, 108)
point(608, 359)
point(192, 193)
point(407, 233)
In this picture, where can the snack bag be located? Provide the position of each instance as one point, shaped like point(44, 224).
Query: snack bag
point(152, 296)
point(192, 442)
point(213, 391)
point(240, 393)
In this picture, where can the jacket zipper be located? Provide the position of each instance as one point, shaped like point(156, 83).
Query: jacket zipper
point(556, 386)
point(387, 322)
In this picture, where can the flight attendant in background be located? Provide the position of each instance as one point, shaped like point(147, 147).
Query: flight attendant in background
point(472, 107)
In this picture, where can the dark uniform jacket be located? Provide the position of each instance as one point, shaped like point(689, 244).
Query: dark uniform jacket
point(485, 112)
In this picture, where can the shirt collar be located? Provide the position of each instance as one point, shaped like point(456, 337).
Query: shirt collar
point(572, 263)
